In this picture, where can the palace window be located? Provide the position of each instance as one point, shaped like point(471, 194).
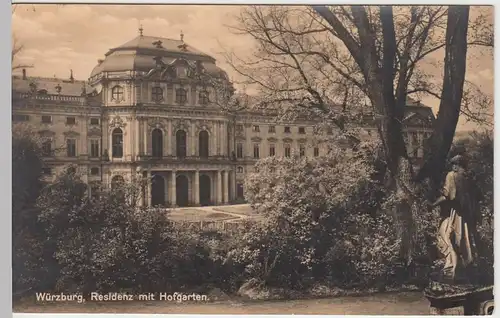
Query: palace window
point(203, 143)
point(117, 182)
point(94, 148)
point(256, 151)
point(203, 97)
point(157, 94)
point(287, 151)
point(20, 118)
point(94, 121)
point(157, 142)
point(47, 147)
point(117, 93)
point(117, 143)
point(180, 138)
point(94, 171)
point(180, 96)
point(47, 171)
point(302, 151)
point(272, 129)
point(240, 169)
point(272, 150)
point(256, 128)
point(329, 130)
point(239, 150)
point(239, 128)
point(302, 130)
point(287, 130)
point(316, 151)
point(46, 119)
point(71, 147)
point(70, 120)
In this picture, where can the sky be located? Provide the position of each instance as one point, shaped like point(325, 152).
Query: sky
point(60, 38)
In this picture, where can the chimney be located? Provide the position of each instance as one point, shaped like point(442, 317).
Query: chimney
point(71, 78)
point(24, 74)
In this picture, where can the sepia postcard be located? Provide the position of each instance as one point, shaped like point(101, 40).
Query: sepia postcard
point(252, 159)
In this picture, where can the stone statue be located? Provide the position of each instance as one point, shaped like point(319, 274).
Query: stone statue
point(457, 231)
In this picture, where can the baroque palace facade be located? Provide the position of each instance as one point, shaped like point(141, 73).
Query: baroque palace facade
point(145, 111)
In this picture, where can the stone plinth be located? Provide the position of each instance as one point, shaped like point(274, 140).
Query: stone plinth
point(446, 299)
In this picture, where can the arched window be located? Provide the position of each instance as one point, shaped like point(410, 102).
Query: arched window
point(180, 138)
point(117, 143)
point(157, 140)
point(203, 143)
point(180, 96)
point(117, 93)
point(203, 97)
point(157, 94)
point(117, 182)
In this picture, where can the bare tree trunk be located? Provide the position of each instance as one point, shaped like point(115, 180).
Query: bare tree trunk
point(451, 95)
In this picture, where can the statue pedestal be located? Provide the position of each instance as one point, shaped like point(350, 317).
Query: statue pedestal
point(459, 300)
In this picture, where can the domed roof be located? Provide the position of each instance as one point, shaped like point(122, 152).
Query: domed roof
point(141, 53)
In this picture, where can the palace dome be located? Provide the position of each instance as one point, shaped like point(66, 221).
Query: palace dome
point(141, 53)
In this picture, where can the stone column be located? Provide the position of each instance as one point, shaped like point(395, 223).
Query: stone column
point(148, 191)
point(137, 133)
point(233, 185)
point(218, 199)
point(139, 177)
point(192, 146)
point(226, 187)
point(173, 193)
point(169, 136)
point(145, 140)
point(216, 138)
point(197, 187)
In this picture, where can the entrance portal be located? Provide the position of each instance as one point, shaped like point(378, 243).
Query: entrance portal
point(157, 190)
point(205, 189)
point(182, 190)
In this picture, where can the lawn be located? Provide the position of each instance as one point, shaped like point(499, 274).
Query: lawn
point(242, 209)
point(197, 215)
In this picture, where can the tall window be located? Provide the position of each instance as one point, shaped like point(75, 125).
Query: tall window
point(203, 143)
point(157, 94)
point(239, 150)
point(180, 138)
point(94, 148)
point(117, 143)
point(302, 150)
point(316, 151)
point(117, 93)
point(287, 130)
point(302, 130)
point(256, 128)
point(272, 129)
point(272, 150)
point(239, 128)
point(71, 147)
point(180, 96)
point(157, 142)
point(240, 169)
point(256, 151)
point(47, 147)
point(287, 151)
point(203, 97)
